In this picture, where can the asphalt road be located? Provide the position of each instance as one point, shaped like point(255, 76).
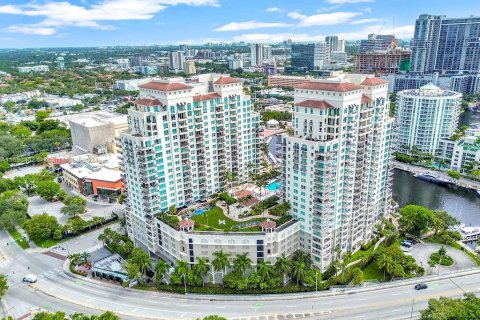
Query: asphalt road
point(56, 290)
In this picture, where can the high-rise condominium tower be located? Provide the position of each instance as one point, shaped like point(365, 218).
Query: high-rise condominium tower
point(181, 139)
point(446, 45)
point(336, 165)
point(425, 116)
point(312, 56)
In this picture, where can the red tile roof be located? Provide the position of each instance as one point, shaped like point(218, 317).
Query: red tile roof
point(163, 86)
point(317, 104)
point(366, 99)
point(186, 223)
point(268, 224)
point(329, 86)
point(243, 193)
point(55, 160)
point(149, 102)
point(373, 82)
point(227, 80)
point(209, 96)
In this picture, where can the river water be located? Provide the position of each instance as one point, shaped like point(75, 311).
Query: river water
point(460, 203)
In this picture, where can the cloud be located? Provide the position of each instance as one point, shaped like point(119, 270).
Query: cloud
point(277, 37)
point(273, 9)
point(58, 14)
point(347, 1)
point(31, 30)
point(401, 32)
point(323, 19)
point(362, 21)
point(249, 25)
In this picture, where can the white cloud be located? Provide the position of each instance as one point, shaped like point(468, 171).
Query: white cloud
point(323, 19)
point(57, 14)
point(362, 21)
point(277, 37)
point(347, 1)
point(26, 29)
point(249, 25)
point(273, 9)
point(400, 32)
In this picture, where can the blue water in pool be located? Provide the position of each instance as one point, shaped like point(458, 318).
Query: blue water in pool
point(273, 186)
point(198, 211)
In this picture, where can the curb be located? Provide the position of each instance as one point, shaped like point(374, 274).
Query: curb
point(276, 297)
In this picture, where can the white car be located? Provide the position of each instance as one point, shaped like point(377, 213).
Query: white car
point(30, 278)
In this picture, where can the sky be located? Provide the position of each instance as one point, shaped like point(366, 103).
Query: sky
point(74, 23)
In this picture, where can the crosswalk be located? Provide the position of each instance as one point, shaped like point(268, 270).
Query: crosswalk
point(42, 276)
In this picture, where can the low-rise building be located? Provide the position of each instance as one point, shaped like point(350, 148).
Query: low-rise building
point(94, 175)
point(21, 96)
point(287, 81)
point(131, 84)
point(95, 134)
point(183, 242)
point(463, 155)
point(40, 68)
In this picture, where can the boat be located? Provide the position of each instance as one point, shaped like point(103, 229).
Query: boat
point(430, 177)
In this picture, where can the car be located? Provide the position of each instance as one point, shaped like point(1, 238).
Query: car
point(30, 278)
point(406, 244)
point(421, 286)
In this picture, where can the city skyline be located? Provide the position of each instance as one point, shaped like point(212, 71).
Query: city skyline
point(106, 22)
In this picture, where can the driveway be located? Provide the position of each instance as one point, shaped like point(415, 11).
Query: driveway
point(421, 253)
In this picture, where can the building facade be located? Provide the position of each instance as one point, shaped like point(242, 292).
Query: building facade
point(424, 117)
point(181, 139)
point(312, 56)
point(256, 54)
point(378, 42)
point(176, 60)
point(336, 173)
point(464, 154)
point(381, 62)
point(40, 68)
point(287, 81)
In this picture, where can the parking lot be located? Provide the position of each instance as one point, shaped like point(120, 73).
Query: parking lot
point(421, 253)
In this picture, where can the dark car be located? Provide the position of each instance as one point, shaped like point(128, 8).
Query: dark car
point(421, 286)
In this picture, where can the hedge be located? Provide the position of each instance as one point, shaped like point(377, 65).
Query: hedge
point(218, 289)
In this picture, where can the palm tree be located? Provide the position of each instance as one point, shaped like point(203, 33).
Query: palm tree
point(220, 263)
point(283, 266)
point(201, 268)
point(241, 263)
point(265, 270)
point(431, 264)
point(182, 268)
point(75, 257)
point(161, 268)
point(261, 184)
point(85, 256)
point(299, 270)
point(228, 175)
point(385, 262)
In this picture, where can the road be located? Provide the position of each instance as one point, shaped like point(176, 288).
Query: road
point(56, 290)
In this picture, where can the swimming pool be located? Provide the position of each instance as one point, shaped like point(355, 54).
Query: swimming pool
point(273, 186)
point(198, 211)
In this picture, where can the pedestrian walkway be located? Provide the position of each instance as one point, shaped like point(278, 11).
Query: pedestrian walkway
point(465, 183)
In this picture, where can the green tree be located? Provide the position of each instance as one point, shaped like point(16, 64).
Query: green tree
point(299, 270)
point(283, 266)
point(242, 263)
point(466, 308)
point(28, 183)
point(357, 276)
point(133, 271)
point(201, 268)
point(3, 285)
point(73, 209)
point(10, 146)
point(21, 132)
point(221, 263)
point(415, 219)
point(214, 317)
point(41, 115)
point(50, 316)
point(454, 174)
point(48, 190)
point(41, 227)
point(446, 218)
point(141, 259)
point(265, 270)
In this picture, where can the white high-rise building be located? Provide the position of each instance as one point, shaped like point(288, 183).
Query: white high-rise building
point(181, 138)
point(176, 60)
point(424, 116)
point(336, 173)
point(190, 67)
point(256, 54)
point(40, 68)
point(123, 63)
point(267, 52)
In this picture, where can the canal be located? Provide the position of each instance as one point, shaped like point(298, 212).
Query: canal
point(468, 117)
point(460, 203)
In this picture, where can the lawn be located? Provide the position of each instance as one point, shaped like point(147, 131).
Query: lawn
point(209, 221)
point(372, 272)
point(446, 260)
point(18, 238)
point(48, 243)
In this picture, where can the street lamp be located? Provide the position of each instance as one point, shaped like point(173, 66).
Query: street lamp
point(185, 283)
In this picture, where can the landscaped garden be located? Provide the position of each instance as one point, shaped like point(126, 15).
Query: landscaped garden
point(215, 220)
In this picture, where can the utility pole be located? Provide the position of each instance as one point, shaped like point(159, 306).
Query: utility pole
point(411, 313)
